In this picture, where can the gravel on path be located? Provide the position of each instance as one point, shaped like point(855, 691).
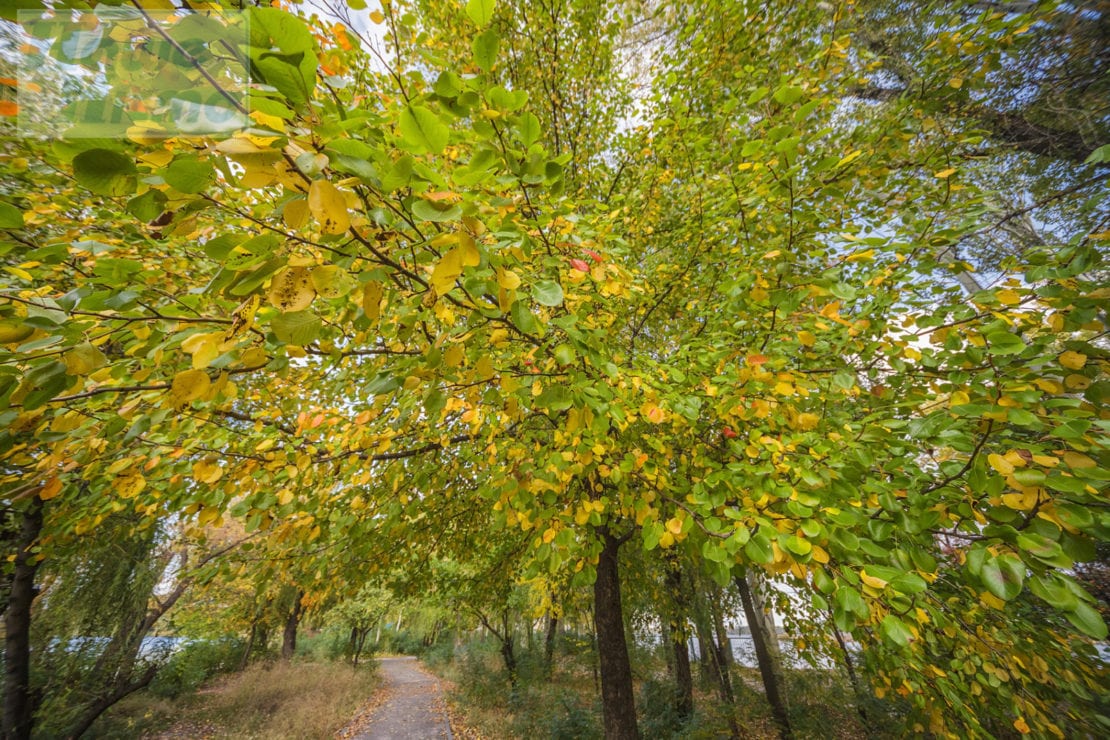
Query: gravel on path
point(412, 708)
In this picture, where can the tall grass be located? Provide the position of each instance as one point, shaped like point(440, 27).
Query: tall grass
point(276, 701)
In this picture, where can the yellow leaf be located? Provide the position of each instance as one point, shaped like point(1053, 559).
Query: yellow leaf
point(871, 580)
point(808, 421)
point(188, 386)
point(653, 413)
point(666, 540)
point(507, 279)
point(782, 388)
point(1049, 386)
point(945, 174)
point(1073, 360)
point(284, 496)
point(377, 17)
point(1078, 461)
point(129, 486)
point(207, 472)
point(329, 207)
point(959, 398)
point(291, 289)
point(674, 525)
point(372, 300)
point(446, 271)
point(999, 463)
point(469, 255)
point(1008, 297)
point(204, 348)
point(806, 338)
point(1021, 726)
point(295, 213)
point(83, 359)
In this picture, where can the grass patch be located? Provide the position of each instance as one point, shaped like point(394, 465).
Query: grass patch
point(278, 701)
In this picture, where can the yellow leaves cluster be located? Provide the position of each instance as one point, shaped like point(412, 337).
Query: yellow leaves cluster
point(450, 266)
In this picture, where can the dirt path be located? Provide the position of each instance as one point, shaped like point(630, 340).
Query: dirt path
point(413, 708)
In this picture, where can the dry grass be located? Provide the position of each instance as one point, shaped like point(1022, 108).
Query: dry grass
point(278, 701)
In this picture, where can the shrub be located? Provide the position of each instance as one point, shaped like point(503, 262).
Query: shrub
point(194, 664)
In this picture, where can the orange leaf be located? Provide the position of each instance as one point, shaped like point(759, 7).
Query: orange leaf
point(8, 108)
point(51, 489)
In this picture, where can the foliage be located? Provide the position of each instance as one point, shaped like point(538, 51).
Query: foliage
point(471, 291)
point(195, 663)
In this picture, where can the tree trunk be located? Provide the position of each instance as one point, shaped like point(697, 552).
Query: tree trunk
point(722, 646)
point(250, 646)
point(679, 634)
point(767, 652)
point(617, 698)
point(289, 636)
point(852, 678)
point(99, 706)
point(549, 643)
point(18, 705)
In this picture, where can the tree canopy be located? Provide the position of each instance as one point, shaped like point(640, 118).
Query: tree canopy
point(520, 284)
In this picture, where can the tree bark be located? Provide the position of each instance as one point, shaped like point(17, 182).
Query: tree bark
point(549, 643)
point(767, 652)
point(617, 698)
point(289, 635)
point(18, 704)
point(679, 634)
point(101, 705)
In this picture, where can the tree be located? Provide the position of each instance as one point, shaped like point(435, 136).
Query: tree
point(459, 270)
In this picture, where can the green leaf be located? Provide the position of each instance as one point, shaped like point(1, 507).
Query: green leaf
point(523, 319)
point(1102, 154)
point(10, 216)
point(528, 129)
point(422, 130)
point(1088, 621)
point(485, 48)
point(564, 354)
point(788, 94)
point(759, 549)
point(189, 175)
point(908, 583)
point(148, 206)
point(383, 382)
point(1004, 343)
point(1003, 576)
point(297, 327)
point(548, 293)
point(481, 11)
point(798, 545)
point(1048, 586)
point(895, 630)
point(426, 210)
point(106, 172)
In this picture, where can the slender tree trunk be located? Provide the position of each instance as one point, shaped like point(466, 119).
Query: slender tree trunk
point(98, 707)
point(722, 646)
point(852, 678)
point(617, 698)
point(289, 635)
point(767, 652)
point(250, 646)
point(549, 643)
point(679, 635)
point(18, 704)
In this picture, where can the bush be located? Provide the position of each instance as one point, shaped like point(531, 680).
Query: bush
point(658, 718)
point(194, 664)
